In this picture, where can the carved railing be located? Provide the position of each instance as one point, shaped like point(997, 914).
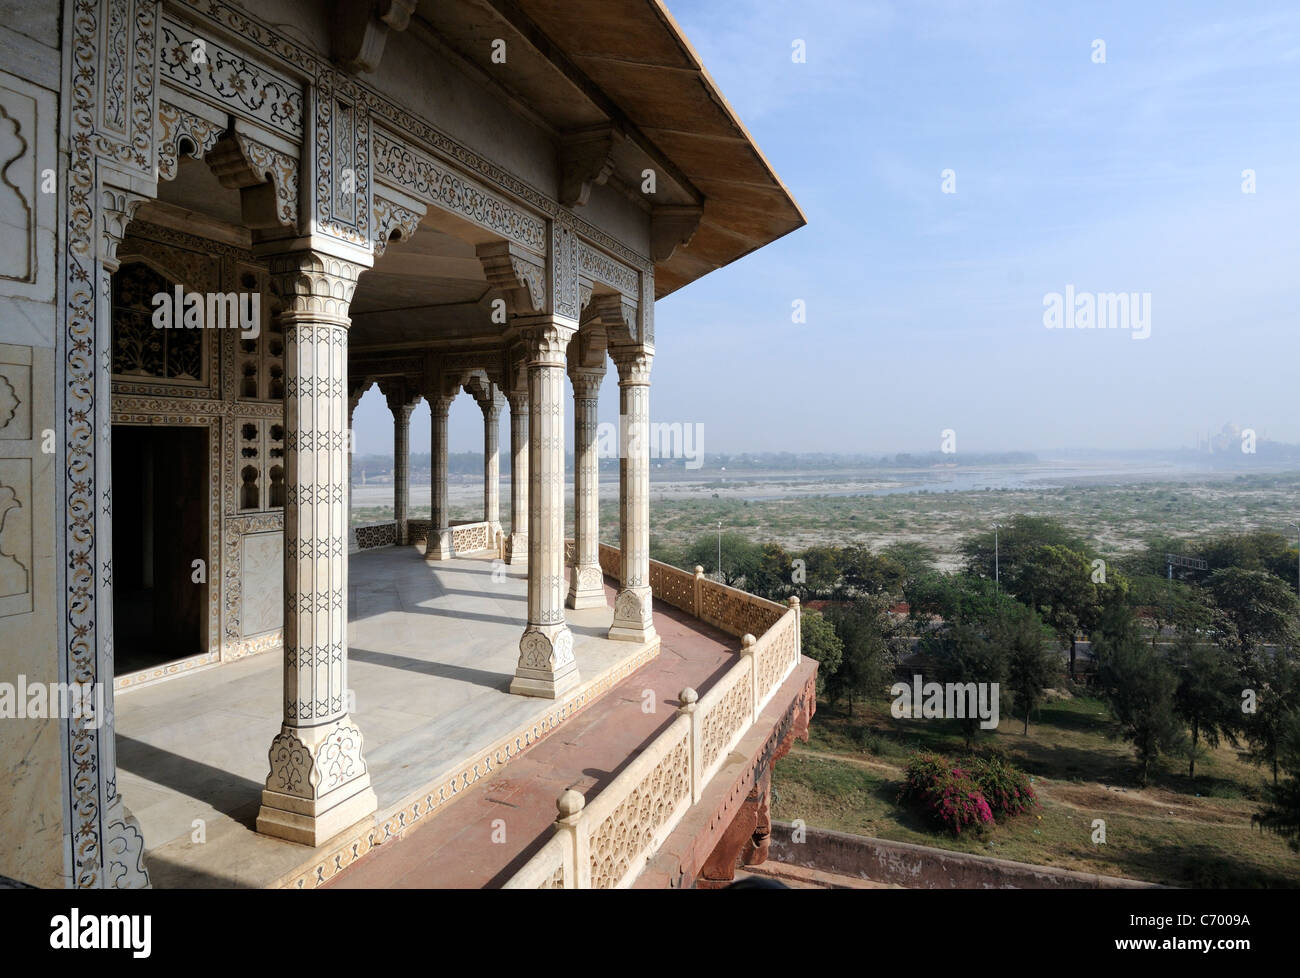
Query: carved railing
point(606, 844)
point(466, 538)
point(368, 536)
point(734, 611)
point(471, 538)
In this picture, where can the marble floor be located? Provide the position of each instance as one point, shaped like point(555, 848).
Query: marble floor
point(432, 649)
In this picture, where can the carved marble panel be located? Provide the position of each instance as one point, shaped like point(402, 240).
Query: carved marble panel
point(15, 393)
point(232, 81)
point(263, 590)
point(28, 124)
point(15, 536)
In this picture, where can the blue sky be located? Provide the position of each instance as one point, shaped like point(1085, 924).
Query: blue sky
point(924, 309)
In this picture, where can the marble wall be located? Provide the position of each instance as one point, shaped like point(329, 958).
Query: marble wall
point(31, 801)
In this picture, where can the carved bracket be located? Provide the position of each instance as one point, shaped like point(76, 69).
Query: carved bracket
point(359, 28)
point(618, 314)
point(177, 127)
point(519, 275)
point(266, 179)
point(585, 160)
point(394, 218)
point(672, 227)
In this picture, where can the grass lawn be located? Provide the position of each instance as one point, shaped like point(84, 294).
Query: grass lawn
point(1174, 831)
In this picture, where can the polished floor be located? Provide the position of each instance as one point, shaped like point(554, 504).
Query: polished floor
point(432, 649)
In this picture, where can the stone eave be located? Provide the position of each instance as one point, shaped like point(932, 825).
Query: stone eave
point(629, 63)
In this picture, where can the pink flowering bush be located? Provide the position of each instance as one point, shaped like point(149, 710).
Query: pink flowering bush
point(1004, 786)
point(947, 795)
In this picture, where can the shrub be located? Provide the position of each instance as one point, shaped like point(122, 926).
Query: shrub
point(1005, 787)
point(924, 772)
point(948, 796)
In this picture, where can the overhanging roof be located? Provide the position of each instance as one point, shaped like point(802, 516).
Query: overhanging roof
point(627, 62)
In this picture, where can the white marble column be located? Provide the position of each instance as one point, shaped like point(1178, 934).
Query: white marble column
point(546, 663)
point(492, 463)
point(632, 608)
point(438, 546)
point(518, 477)
point(401, 409)
point(318, 784)
point(586, 583)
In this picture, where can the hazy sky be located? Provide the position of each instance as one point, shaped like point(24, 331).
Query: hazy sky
point(924, 308)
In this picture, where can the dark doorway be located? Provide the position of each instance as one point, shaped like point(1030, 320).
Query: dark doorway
point(160, 528)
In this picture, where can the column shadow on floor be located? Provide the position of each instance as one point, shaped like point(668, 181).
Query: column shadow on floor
point(233, 796)
point(466, 674)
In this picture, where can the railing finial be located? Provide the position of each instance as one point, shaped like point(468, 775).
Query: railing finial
point(570, 803)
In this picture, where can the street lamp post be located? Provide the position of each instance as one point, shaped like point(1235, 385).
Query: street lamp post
point(997, 566)
point(719, 551)
point(1297, 558)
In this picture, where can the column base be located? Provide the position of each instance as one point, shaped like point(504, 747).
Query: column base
point(546, 666)
point(307, 759)
point(124, 865)
point(586, 588)
point(438, 546)
point(633, 621)
point(518, 549)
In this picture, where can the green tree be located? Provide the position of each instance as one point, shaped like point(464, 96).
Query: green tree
point(867, 573)
point(1269, 706)
point(1174, 604)
point(873, 645)
point(915, 558)
point(1057, 582)
point(772, 575)
point(950, 597)
point(1017, 541)
point(1139, 687)
point(1260, 608)
point(820, 641)
point(821, 570)
point(1031, 666)
point(740, 556)
point(968, 652)
point(1282, 813)
point(1206, 695)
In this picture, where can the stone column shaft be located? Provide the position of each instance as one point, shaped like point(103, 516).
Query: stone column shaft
point(318, 784)
point(402, 471)
point(439, 541)
point(633, 620)
point(492, 468)
point(586, 583)
point(519, 477)
point(546, 663)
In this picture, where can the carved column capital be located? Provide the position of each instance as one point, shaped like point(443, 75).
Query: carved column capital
point(117, 209)
point(545, 339)
point(401, 396)
point(586, 381)
point(633, 363)
point(313, 285)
